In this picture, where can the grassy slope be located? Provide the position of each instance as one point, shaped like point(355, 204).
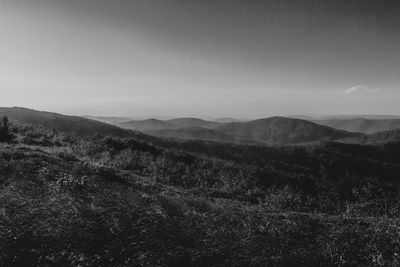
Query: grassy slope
point(128, 220)
point(69, 124)
point(132, 211)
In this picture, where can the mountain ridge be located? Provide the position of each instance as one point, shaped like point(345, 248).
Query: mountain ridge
point(192, 122)
point(63, 123)
point(267, 131)
point(282, 130)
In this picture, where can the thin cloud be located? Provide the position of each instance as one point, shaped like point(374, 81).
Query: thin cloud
point(363, 89)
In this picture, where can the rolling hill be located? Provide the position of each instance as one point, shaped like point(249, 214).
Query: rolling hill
point(110, 201)
point(362, 125)
point(280, 131)
point(270, 131)
point(194, 133)
point(147, 125)
point(193, 122)
point(68, 124)
point(227, 120)
point(110, 120)
point(156, 125)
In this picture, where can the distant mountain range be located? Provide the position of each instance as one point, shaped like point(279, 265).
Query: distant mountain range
point(111, 120)
point(227, 120)
point(281, 130)
point(345, 117)
point(193, 122)
point(362, 125)
point(147, 125)
point(195, 133)
point(267, 131)
point(271, 131)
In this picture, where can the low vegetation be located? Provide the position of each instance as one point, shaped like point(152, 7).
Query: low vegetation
point(70, 200)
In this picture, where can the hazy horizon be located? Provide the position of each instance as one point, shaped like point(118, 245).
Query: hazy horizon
point(207, 59)
point(215, 118)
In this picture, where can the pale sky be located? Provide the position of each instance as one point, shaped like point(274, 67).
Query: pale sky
point(202, 58)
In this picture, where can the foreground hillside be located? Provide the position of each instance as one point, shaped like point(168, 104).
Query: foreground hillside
point(71, 124)
point(68, 200)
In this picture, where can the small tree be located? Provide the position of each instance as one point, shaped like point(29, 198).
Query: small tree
point(4, 130)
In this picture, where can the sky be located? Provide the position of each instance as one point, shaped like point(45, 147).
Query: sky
point(201, 58)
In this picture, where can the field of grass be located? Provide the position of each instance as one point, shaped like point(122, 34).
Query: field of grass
point(68, 201)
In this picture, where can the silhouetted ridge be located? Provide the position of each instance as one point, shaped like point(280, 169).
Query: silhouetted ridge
point(62, 123)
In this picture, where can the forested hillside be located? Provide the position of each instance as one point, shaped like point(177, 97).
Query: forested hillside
point(392, 136)
point(71, 200)
point(71, 124)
